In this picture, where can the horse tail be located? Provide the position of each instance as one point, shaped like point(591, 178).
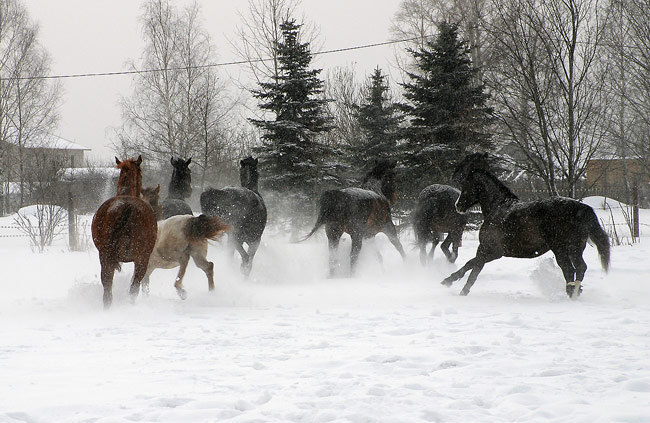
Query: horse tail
point(118, 230)
point(327, 210)
point(205, 227)
point(599, 237)
point(422, 231)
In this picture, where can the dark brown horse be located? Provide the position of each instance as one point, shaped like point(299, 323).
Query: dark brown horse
point(436, 214)
point(243, 209)
point(124, 229)
point(514, 228)
point(180, 188)
point(361, 212)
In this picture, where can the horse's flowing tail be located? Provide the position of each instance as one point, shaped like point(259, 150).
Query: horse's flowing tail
point(421, 228)
point(327, 210)
point(205, 227)
point(601, 239)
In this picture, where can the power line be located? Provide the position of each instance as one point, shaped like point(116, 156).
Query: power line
point(210, 65)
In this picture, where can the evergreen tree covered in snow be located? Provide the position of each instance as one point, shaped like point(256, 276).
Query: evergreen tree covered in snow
point(291, 157)
point(447, 109)
point(379, 121)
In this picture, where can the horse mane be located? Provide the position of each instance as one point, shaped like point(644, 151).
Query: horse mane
point(468, 163)
point(503, 188)
point(380, 178)
point(248, 174)
point(129, 186)
point(177, 184)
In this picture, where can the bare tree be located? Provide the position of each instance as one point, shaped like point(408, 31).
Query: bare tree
point(548, 86)
point(259, 33)
point(180, 107)
point(417, 20)
point(28, 103)
point(345, 92)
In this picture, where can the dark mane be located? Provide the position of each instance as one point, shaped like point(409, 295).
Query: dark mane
point(502, 187)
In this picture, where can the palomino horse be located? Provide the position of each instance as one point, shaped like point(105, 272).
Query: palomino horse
point(243, 209)
point(436, 214)
point(124, 230)
point(179, 238)
point(361, 212)
point(180, 188)
point(513, 228)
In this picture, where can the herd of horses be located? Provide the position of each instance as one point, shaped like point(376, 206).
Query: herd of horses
point(135, 226)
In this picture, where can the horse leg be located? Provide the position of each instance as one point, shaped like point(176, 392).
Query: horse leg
point(563, 260)
point(145, 281)
point(139, 272)
point(483, 255)
point(107, 273)
point(178, 284)
point(445, 247)
point(460, 272)
point(333, 237)
point(455, 238)
point(581, 267)
point(357, 242)
point(252, 249)
point(391, 233)
point(199, 258)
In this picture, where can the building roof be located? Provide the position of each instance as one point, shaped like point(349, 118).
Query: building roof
point(54, 142)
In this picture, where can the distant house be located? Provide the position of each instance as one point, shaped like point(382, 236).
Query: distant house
point(610, 173)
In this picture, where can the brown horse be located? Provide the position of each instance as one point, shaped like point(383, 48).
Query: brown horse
point(124, 229)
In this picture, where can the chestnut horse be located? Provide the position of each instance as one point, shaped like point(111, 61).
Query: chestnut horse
point(124, 229)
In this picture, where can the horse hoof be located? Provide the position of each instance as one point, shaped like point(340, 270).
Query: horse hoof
point(463, 293)
point(574, 289)
point(182, 294)
point(446, 283)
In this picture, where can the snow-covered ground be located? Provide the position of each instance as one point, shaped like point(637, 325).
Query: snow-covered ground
point(289, 345)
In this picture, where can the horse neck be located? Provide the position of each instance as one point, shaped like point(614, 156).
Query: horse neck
point(494, 194)
point(175, 187)
point(249, 179)
point(373, 184)
point(129, 187)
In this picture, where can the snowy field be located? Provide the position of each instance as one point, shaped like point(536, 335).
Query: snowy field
point(289, 345)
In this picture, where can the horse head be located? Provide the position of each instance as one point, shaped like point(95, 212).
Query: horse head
point(248, 174)
point(381, 178)
point(180, 186)
point(469, 163)
point(152, 196)
point(130, 181)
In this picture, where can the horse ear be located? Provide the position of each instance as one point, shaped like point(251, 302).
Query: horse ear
point(187, 163)
point(172, 160)
point(241, 162)
point(117, 161)
point(139, 160)
point(256, 161)
point(158, 189)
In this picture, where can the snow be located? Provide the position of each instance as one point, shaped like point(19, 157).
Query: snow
point(289, 345)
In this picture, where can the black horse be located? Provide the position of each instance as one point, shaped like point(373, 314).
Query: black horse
point(243, 209)
point(180, 188)
point(435, 214)
point(514, 228)
point(361, 212)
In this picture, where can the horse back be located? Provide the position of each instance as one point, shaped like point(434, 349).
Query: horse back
point(241, 208)
point(531, 228)
point(436, 210)
point(124, 229)
point(364, 210)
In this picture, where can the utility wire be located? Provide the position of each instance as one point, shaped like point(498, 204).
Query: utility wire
point(210, 65)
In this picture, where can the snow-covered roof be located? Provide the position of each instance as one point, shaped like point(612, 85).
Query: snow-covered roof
point(54, 142)
point(75, 173)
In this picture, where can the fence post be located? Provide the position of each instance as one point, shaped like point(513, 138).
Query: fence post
point(635, 210)
point(72, 223)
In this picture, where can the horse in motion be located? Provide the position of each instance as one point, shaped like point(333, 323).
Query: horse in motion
point(180, 188)
point(179, 238)
point(513, 228)
point(243, 209)
point(360, 212)
point(124, 230)
point(435, 214)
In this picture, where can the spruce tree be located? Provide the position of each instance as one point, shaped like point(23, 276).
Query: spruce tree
point(292, 159)
point(379, 122)
point(447, 109)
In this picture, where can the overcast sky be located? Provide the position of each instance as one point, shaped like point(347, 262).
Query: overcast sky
point(89, 36)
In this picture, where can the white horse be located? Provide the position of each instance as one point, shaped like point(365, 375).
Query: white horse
point(179, 238)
